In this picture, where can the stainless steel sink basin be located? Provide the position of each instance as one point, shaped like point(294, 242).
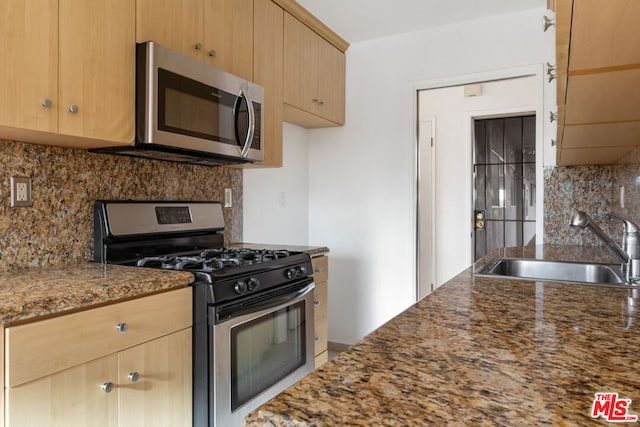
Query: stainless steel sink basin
point(552, 270)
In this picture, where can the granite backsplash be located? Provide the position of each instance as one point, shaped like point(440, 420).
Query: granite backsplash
point(595, 190)
point(58, 228)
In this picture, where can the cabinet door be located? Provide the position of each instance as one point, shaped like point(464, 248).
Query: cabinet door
point(29, 65)
point(176, 24)
point(268, 54)
point(320, 276)
point(97, 69)
point(331, 81)
point(161, 395)
point(70, 398)
point(300, 65)
point(228, 36)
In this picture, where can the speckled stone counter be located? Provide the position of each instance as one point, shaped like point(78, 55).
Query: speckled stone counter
point(311, 250)
point(36, 292)
point(480, 351)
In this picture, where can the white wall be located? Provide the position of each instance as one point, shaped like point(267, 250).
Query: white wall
point(453, 113)
point(352, 188)
point(361, 176)
point(276, 201)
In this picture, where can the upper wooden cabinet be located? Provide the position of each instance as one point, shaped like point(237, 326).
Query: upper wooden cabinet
point(217, 32)
point(67, 75)
point(268, 54)
point(314, 77)
point(598, 61)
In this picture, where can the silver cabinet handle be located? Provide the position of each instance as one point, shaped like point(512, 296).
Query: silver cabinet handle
point(47, 103)
point(547, 22)
point(317, 271)
point(553, 142)
point(316, 339)
point(122, 327)
point(73, 108)
point(553, 116)
point(107, 387)
point(197, 46)
point(133, 377)
point(316, 303)
point(212, 53)
point(318, 101)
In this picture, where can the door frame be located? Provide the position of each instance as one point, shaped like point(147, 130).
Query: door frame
point(432, 212)
point(544, 148)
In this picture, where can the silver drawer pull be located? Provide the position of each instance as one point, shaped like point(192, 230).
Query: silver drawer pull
point(133, 377)
point(316, 303)
point(122, 327)
point(47, 103)
point(73, 109)
point(107, 387)
point(316, 339)
point(197, 46)
point(212, 53)
point(317, 271)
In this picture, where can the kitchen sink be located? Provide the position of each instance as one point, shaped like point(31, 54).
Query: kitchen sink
point(557, 271)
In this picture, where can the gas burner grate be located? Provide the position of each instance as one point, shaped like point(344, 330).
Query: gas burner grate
point(214, 259)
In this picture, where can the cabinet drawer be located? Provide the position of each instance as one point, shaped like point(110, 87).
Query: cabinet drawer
point(320, 268)
point(321, 359)
point(41, 348)
point(320, 335)
point(320, 300)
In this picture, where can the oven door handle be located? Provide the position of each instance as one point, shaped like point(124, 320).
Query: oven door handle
point(223, 313)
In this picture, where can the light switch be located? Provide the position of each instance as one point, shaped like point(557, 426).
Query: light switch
point(228, 198)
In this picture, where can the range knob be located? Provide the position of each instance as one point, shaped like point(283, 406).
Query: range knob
point(291, 273)
point(253, 284)
point(240, 287)
point(302, 271)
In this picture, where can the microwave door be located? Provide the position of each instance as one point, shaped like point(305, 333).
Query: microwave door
point(244, 117)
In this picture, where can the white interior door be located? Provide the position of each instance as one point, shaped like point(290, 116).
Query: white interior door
point(426, 208)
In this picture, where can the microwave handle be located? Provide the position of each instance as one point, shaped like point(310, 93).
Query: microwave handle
point(252, 124)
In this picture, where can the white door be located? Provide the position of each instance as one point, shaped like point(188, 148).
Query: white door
point(426, 208)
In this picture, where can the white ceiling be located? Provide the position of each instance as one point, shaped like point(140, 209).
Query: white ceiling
point(360, 20)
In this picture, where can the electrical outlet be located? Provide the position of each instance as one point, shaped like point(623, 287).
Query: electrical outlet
point(20, 191)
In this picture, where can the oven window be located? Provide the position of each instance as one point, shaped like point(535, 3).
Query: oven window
point(265, 350)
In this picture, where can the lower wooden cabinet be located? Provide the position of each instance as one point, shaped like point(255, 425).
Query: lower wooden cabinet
point(161, 395)
point(146, 383)
point(321, 276)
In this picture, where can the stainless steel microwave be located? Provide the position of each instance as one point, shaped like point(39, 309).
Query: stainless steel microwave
point(188, 111)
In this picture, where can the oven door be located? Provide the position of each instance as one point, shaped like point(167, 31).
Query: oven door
point(263, 345)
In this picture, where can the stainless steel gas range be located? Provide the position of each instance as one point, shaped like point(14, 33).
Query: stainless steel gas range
point(252, 309)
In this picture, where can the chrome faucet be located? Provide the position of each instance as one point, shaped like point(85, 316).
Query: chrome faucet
point(629, 253)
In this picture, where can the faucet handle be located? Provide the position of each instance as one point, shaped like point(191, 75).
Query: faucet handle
point(629, 226)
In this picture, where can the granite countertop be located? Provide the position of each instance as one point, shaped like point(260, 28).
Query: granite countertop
point(311, 250)
point(36, 292)
point(480, 351)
